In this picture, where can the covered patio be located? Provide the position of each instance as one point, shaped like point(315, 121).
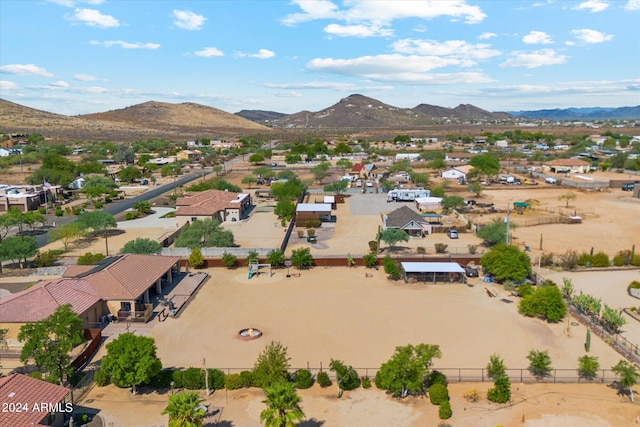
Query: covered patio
point(445, 272)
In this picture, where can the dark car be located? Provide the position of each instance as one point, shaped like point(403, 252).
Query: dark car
point(471, 272)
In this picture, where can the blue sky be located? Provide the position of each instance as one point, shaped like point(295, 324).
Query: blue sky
point(84, 56)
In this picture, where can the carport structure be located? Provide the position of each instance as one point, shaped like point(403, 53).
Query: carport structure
point(433, 271)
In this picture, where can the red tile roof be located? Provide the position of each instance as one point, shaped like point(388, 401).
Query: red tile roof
point(357, 167)
point(208, 203)
point(41, 300)
point(18, 389)
point(130, 275)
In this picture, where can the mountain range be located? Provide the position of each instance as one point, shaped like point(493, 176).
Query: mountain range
point(189, 120)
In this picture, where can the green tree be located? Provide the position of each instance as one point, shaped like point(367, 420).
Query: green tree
point(337, 187)
point(18, 249)
point(545, 302)
point(142, 206)
point(272, 365)
point(284, 209)
point(342, 148)
point(275, 257)
point(506, 262)
point(264, 172)
point(346, 377)
point(205, 233)
point(496, 367)
point(256, 158)
point(185, 410)
point(95, 186)
point(289, 190)
point(588, 366)
point(391, 236)
point(501, 390)
point(344, 164)
point(141, 245)
point(131, 360)
point(495, 232)
point(49, 341)
point(539, 363)
point(628, 375)
point(215, 184)
point(404, 373)
point(476, 188)
point(302, 257)
point(196, 259)
point(125, 154)
point(452, 202)
point(7, 222)
point(249, 180)
point(568, 197)
point(97, 221)
point(130, 174)
point(292, 158)
point(486, 164)
point(320, 171)
point(283, 406)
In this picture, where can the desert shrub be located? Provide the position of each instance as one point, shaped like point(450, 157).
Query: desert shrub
point(59, 211)
point(546, 259)
point(130, 215)
point(303, 378)
point(373, 246)
point(444, 411)
point(437, 377)
point(300, 234)
point(370, 260)
point(391, 268)
point(441, 248)
point(98, 205)
point(471, 395)
point(618, 261)
point(36, 374)
point(46, 259)
point(600, 260)
point(501, 390)
point(101, 378)
point(193, 379)
point(312, 223)
point(569, 261)
point(52, 379)
point(232, 382)
point(545, 302)
point(421, 250)
point(635, 260)
point(624, 256)
point(584, 259)
point(42, 210)
point(366, 382)
point(176, 377)
point(472, 249)
point(216, 379)
point(246, 378)
point(438, 393)
point(90, 259)
point(634, 285)
point(311, 232)
point(229, 260)
point(323, 379)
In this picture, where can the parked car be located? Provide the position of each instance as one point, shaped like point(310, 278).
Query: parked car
point(550, 180)
point(471, 272)
point(629, 186)
point(453, 234)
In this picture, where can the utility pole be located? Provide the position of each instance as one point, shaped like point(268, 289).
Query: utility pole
point(506, 220)
point(206, 375)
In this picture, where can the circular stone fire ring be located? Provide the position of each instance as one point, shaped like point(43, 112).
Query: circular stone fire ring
point(249, 334)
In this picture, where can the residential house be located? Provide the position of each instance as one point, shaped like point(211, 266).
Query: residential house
point(26, 401)
point(412, 157)
point(188, 155)
point(357, 171)
point(566, 166)
point(458, 172)
point(41, 300)
point(461, 156)
point(371, 170)
point(5, 152)
point(27, 197)
point(408, 220)
point(214, 204)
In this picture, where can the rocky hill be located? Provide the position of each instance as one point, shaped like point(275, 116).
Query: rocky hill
point(260, 116)
point(147, 120)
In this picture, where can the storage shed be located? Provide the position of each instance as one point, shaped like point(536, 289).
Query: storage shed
point(312, 212)
point(434, 272)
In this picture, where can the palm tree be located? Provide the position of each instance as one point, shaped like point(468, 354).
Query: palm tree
point(184, 410)
point(283, 406)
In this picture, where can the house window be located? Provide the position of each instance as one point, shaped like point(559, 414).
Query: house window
point(194, 218)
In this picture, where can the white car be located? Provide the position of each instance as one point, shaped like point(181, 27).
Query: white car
point(550, 180)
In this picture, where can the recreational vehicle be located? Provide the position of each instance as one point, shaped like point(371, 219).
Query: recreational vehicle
point(407, 194)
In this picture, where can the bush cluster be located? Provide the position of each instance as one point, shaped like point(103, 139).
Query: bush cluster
point(90, 259)
point(391, 267)
point(438, 393)
point(303, 378)
point(323, 379)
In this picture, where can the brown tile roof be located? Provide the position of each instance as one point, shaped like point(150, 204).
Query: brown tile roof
point(41, 300)
point(130, 275)
point(21, 389)
point(206, 203)
point(567, 162)
point(76, 270)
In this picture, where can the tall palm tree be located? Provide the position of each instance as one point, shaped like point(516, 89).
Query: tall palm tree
point(283, 406)
point(184, 410)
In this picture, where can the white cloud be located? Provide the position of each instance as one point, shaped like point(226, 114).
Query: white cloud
point(188, 20)
point(537, 37)
point(60, 84)
point(73, 3)
point(313, 85)
point(85, 77)
point(632, 5)
point(593, 6)
point(487, 36)
point(358, 30)
point(452, 48)
point(92, 89)
point(94, 18)
point(381, 13)
point(397, 68)
point(7, 85)
point(208, 52)
point(263, 54)
point(591, 36)
point(125, 45)
point(534, 59)
point(25, 70)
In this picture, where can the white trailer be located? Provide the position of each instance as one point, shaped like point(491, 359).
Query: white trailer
point(407, 194)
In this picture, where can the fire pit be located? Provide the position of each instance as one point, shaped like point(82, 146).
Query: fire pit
point(249, 334)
